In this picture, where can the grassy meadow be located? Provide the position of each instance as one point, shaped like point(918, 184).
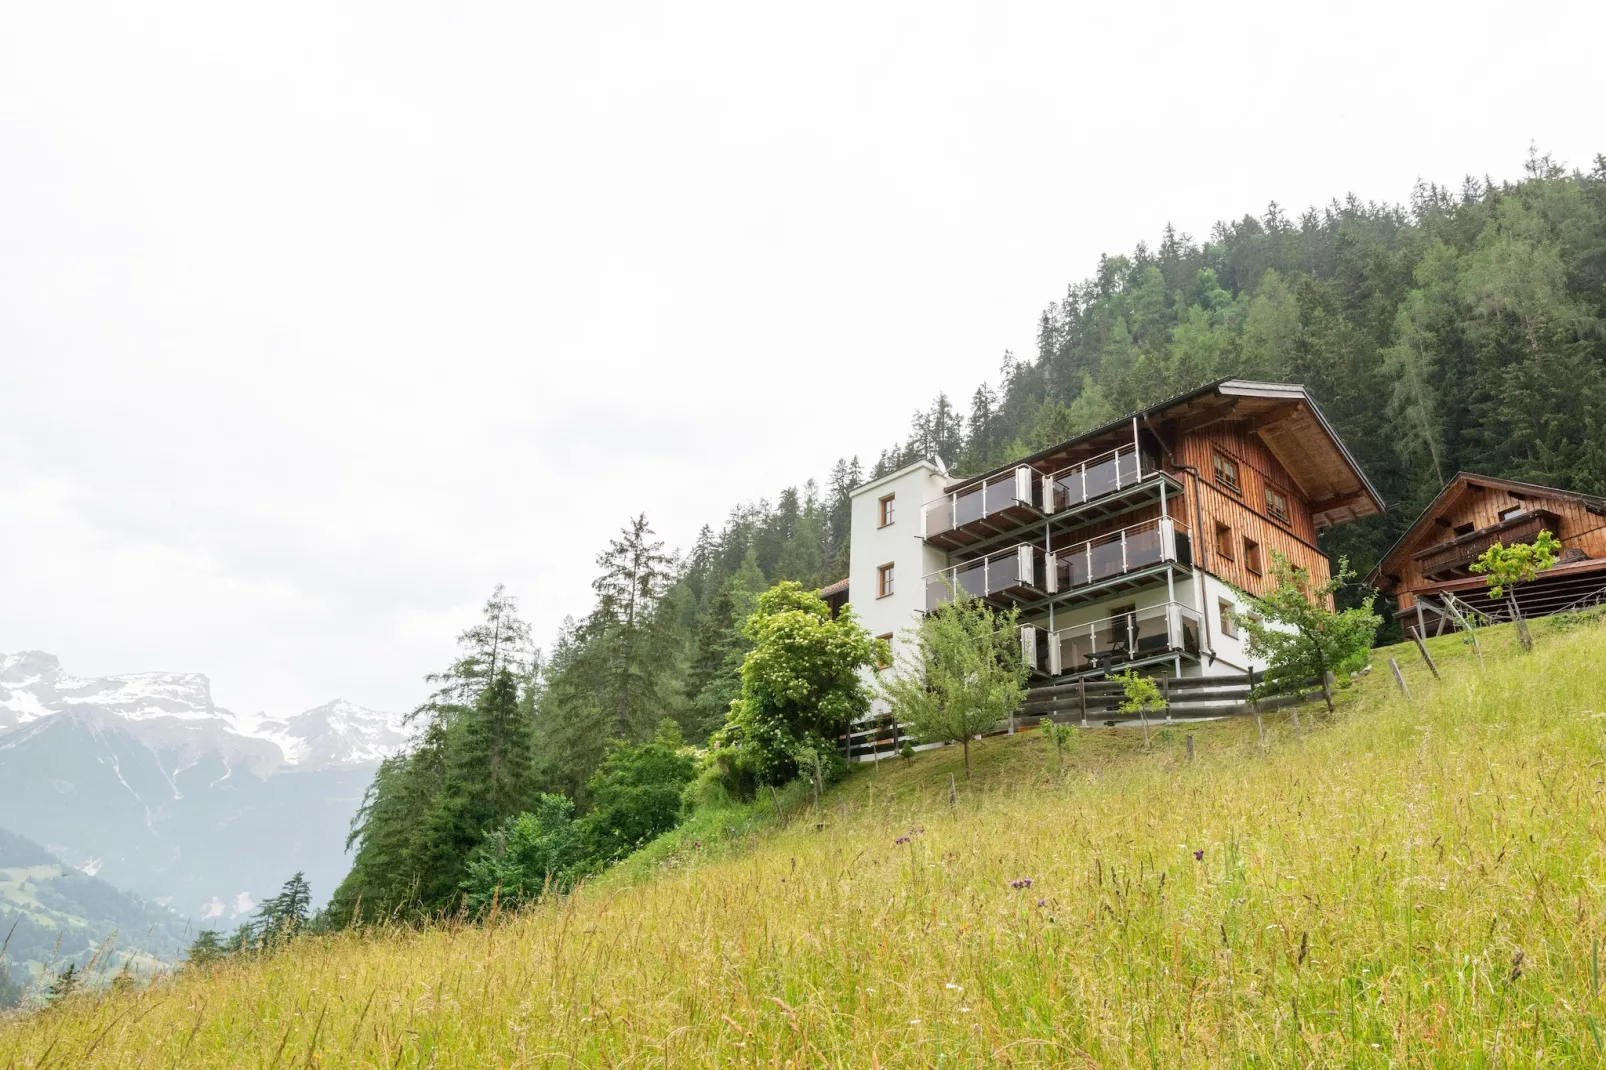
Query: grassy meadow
point(1407, 884)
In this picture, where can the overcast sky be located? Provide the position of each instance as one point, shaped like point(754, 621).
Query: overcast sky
point(317, 320)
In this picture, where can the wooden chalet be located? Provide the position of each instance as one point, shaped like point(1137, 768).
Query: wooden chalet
point(1431, 563)
point(1134, 543)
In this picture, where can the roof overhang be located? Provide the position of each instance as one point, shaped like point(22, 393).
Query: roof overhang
point(1460, 485)
point(1282, 415)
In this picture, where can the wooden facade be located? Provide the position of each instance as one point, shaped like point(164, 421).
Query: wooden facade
point(1473, 512)
point(1241, 515)
point(1270, 437)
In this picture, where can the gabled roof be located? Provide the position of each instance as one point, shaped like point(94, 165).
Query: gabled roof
point(1282, 414)
point(1461, 484)
point(834, 588)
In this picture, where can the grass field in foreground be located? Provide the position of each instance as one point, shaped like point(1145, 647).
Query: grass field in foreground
point(1412, 884)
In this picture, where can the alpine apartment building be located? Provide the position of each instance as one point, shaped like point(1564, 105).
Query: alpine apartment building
point(1129, 546)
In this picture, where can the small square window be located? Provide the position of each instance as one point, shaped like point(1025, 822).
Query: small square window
point(1252, 556)
point(1464, 529)
point(886, 505)
point(1227, 472)
point(1229, 625)
point(1507, 514)
point(883, 581)
point(1224, 542)
point(1277, 505)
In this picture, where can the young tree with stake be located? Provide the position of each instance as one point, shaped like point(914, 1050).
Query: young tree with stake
point(1301, 636)
point(962, 674)
point(1507, 567)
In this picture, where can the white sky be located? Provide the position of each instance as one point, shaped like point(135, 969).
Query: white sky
point(317, 320)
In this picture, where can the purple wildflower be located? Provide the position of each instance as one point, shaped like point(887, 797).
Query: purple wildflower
point(1021, 882)
point(1042, 902)
point(900, 841)
point(1198, 856)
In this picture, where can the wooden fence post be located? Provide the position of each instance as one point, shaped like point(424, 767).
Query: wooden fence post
point(1081, 691)
point(1254, 704)
point(1423, 650)
point(1190, 746)
point(1399, 678)
point(775, 795)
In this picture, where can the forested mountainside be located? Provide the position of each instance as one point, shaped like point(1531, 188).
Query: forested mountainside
point(1462, 332)
point(52, 914)
point(1465, 332)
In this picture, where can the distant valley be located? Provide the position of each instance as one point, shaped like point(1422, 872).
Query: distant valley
point(142, 780)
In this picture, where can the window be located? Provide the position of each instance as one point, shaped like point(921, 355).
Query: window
point(1277, 505)
point(883, 581)
point(1252, 556)
point(1507, 514)
point(1229, 626)
point(885, 664)
point(1227, 472)
point(1224, 541)
point(1462, 529)
point(886, 509)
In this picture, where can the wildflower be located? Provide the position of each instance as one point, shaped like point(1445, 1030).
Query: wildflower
point(900, 841)
point(1042, 902)
point(1021, 882)
point(1198, 856)
point(954, 987)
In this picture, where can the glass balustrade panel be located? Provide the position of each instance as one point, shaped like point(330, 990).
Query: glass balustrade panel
point(1105, 560)
point(968, 506)
point(939, 517)
point(1003, 572)
point(1143, 547)
point(1068, 489)
point(1126, 463)
point(971, 579)
point(1101, 477)
point(999, 494)
point(938, 590)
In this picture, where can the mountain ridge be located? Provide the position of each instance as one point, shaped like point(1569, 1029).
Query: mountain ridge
point(143, 779)
point(34, 686)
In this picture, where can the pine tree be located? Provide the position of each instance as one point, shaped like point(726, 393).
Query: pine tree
point(65, 984)
point(206, 949)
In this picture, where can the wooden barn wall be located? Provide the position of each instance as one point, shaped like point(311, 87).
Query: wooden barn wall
point(1245, 514)
point(1579, 528)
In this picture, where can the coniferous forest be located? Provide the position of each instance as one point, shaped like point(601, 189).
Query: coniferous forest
point(1463, 331)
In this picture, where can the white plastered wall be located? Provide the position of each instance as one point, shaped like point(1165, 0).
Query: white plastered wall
point(899, 544)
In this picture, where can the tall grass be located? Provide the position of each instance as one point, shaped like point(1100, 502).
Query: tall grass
point(1414, 884)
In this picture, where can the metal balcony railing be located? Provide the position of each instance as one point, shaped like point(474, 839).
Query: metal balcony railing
point(980, 501)
point(1098, 476)
point(1119, 552)
point(1019, 573)
point(1168, 628)
point(1025, 572)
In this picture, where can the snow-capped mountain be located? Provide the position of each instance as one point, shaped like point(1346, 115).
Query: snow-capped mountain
point(145, 778)
point(177, 711)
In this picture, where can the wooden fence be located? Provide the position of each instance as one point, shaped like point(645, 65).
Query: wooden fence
point(1092, 703)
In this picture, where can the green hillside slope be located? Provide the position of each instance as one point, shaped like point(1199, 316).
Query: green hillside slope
point(1413, 883)
point(51, 914)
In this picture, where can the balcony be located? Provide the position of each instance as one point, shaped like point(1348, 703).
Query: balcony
point(1120, 552)
point(1166, 630)
point(1098, 476)
point(1449, 557)
point(980, 510)
point(1008, 577)
point(1024, 573)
